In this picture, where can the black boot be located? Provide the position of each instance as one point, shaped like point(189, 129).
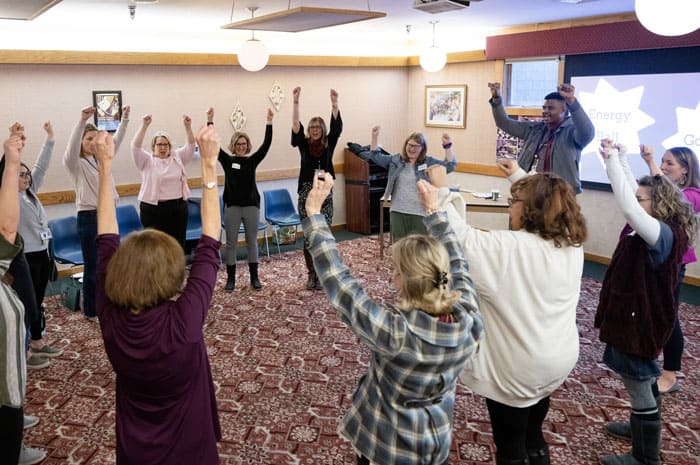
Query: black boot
point(311, 280)
point(646, 444)
point(317, 284)
point(622, 429)
point(539, 456)
point(231, 280)
point(254, 281)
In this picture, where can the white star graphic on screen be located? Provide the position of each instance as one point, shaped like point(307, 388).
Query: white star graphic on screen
point(615, 114)
point(688, 124)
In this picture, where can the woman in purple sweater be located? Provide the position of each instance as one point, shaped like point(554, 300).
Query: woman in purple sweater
point(152, 326)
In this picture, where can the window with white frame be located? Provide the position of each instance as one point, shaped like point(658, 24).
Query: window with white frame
point(526, 82)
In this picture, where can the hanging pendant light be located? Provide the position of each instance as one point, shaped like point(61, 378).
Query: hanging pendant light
point(433, 58)
point(670, 17)
point(253, 55)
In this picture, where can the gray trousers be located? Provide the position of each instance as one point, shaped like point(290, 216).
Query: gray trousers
point(250, 216)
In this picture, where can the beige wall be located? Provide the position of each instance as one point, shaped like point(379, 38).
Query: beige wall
point(33, 93)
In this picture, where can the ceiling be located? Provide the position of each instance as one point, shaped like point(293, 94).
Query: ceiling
point(195, 25)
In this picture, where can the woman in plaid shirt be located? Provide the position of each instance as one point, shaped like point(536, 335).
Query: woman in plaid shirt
point(401, 412)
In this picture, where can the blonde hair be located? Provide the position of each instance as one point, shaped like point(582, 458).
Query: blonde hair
point(234, 138)
point(165, 136)
point(147, 269)
point(324, 129)
point(668, 204)
point(424, 266)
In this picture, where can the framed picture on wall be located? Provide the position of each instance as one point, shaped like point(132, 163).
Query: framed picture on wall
point(446, 106)
point(108, 109)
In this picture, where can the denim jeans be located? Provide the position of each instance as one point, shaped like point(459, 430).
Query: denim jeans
point(87, 231)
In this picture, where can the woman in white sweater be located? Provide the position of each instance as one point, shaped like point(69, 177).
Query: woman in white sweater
point(528, 281)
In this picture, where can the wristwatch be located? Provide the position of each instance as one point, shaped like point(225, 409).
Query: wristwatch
point(209, 185)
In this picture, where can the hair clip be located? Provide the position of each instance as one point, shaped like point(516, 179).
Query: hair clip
point(440, 279)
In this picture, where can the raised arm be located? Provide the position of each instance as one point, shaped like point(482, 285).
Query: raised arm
point(644, 224)
point(335, 110)
point(121, 130)
point(295, 109)
point(42, 162)
point(139, 155)
point(647, 153)
point(186, 152)
point(209, 144)
point(71, 158)
point(106, 211)
point(9, 191)
point(187, 122)
point(584, 132)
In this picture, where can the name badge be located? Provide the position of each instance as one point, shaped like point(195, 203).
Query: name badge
point(423, 167)
point(46, 235)
point(236, 166)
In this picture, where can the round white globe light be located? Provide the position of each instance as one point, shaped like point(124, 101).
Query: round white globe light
point(670, 17)
point(253, 55)
point(433, 59)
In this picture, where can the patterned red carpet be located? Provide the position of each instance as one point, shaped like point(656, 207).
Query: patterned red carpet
point(285, 369)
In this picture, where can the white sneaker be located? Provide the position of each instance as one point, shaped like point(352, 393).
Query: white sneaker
point(30, 456)
point(30, 420)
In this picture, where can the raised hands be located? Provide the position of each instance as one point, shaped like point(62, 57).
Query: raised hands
point(295, 94)
point(48, 127)
point(270, 115)
point(16, 128)
point(104, 150)
point(606, 147)
point(428, 195)
point(146, 120)
point(647, 152)
point(210, 115)
point(334, 97)
point(567, 91)
point(495, 88)
point(322, 186)
point(437, 175)
point(13, 147)
point(507, 165)
point(374, 137)
point(209, 144)
point(446, 139)
point(126, 110)
point(187, 121)
point(86, 113)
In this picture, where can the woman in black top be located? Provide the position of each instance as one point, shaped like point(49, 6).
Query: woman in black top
point(316, 150)
point(241, 198)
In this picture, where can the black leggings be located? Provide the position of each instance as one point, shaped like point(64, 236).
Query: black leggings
point(169, 216)
point(517, 430)
point(40, 266)
point(11, 430)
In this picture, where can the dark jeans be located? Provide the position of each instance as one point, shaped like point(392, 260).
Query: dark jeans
point(673, 349)
point(517, 430)
point(87, 231)
point(11, 430)
point(41, 267)
point(169, 216)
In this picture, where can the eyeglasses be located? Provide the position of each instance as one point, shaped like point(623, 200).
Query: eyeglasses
point(413, 146)
point(315, 126)
point(25, 174)
point(241, 144)
point(165, 144)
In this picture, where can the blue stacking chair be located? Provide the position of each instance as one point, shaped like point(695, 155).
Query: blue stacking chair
point(194, 219)
point(128, 220)
point(280, 211)
point(65, 242)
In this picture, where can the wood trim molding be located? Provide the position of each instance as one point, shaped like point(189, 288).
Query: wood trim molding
point(477, 168)
point(589, 21)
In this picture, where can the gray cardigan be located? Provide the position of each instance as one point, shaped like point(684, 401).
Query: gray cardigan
point(570, 138)
point(32, 216)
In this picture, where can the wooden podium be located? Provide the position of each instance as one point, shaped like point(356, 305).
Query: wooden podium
point(365, 182)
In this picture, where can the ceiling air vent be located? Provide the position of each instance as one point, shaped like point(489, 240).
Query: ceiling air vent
point(439, 6)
